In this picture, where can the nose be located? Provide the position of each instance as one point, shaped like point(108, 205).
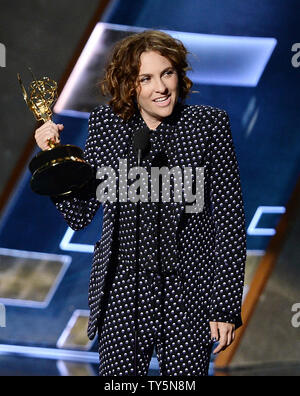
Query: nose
point(160, 86)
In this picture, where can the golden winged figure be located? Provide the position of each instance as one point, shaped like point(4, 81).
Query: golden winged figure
point(42, 96)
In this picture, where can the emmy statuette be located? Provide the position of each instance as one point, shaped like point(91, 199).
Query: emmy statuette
point(60, 170)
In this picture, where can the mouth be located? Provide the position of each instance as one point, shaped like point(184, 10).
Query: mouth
point(163, 101)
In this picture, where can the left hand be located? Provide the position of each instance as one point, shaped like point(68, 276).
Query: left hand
point(224, 333)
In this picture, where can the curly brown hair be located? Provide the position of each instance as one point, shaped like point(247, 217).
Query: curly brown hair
point(121, 77)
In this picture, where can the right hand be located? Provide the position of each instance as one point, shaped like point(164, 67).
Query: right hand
point(48, 131)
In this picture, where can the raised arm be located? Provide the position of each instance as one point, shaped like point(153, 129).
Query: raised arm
point(79, 208)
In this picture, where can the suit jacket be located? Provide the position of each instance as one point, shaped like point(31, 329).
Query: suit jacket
point(210, 244)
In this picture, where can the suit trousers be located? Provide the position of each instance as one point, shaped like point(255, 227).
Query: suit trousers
point(162, 324)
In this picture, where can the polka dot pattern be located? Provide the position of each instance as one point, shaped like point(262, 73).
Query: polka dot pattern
point(162, 324)
point(194, 261)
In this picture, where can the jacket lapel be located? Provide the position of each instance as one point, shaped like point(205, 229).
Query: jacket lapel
point(175, 146)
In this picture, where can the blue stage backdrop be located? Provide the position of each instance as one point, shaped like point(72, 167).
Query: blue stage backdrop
point(241, 60)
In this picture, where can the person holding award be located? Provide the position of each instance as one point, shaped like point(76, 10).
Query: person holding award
point(190, 264)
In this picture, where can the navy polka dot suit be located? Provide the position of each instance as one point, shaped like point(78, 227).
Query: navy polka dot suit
point(191, 265)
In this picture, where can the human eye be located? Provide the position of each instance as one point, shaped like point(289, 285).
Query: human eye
point(145, 79)
point(169, 73)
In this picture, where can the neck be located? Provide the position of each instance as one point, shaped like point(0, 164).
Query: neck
point(150, 122)
point(153, 126)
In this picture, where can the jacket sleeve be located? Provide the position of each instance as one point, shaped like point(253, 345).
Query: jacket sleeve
point(229, 221)
point(79, 209)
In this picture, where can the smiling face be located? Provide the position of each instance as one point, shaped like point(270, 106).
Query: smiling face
point(158, 90)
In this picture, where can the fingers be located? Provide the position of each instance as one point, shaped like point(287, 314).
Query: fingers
point(230, 337)
point(222, 343)
point(226, 335)
point(48, 131)
point(214, 331)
